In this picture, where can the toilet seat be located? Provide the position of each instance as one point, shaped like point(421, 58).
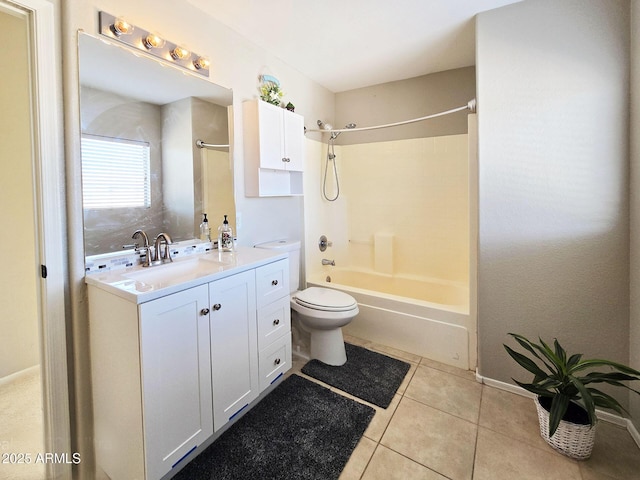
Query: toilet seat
point(325, 299)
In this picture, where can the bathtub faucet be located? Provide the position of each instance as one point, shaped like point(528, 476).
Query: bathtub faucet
point(328, 262)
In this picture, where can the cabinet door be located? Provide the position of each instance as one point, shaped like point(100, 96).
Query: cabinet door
point(293, 128)
point(271, 136)
point(176, 377)
point(234, 356)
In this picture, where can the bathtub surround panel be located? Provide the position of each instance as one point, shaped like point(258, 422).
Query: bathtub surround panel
point(553, 179)
point(408, 206)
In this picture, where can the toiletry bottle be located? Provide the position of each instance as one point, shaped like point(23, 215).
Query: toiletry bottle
point(225, 237)
point(205, 231)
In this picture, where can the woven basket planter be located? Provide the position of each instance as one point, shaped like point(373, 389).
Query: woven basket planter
point(570, 439)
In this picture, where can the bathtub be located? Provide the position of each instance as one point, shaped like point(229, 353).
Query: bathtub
point(424, 317)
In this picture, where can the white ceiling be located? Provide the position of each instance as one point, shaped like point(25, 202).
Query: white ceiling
point(347, 44)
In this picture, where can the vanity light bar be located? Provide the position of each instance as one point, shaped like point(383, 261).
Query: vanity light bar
point(118, 29)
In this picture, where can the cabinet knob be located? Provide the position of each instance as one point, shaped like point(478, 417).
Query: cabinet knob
point(217, 307)
point(274, 282)
point(204, 311)
point(276, 321)
point(284, 159)
point(276, 361)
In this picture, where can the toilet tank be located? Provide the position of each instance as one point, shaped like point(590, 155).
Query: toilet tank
point(292, 247)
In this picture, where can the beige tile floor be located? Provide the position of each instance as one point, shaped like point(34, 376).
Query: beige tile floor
point(442, 424)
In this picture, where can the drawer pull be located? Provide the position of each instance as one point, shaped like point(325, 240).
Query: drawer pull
point(204, 311)
point(276, 321)
point(274, 282)
point(276, 361)
point(217, 307)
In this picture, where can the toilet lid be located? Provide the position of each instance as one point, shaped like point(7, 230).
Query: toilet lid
point(325, 299)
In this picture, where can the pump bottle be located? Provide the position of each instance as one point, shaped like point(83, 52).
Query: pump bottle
point(225, 236)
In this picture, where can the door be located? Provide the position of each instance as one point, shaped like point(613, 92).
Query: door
point(33, 340)
point(234, 349)
point(176, 377)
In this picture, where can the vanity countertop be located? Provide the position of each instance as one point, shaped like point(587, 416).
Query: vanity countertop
point(142, 284)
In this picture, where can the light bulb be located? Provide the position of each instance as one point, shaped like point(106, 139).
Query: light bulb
point(201, 63)
point(180, 53)
point(120, 27)
point(153, 41)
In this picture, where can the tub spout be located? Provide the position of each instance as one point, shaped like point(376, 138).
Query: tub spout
point(328, 262)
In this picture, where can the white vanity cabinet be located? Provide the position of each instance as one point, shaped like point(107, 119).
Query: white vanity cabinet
point(176, 377)
point(234, 357)
point(273, 150)
point(151, 379)
point(170, 367)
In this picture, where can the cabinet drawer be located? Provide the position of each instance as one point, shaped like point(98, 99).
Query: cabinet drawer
point(274, 320)
point(275, 360)
point(272, 282)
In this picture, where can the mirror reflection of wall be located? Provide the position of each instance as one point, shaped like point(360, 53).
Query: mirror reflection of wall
point(141, 167)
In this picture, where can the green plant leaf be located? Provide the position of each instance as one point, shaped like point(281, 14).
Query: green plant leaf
point(604, 400)
point(586, 399)
point(574, 360)
point(596, 362)
point(559, 406)
point(531, 347)
point(560, 352)
point(526, 362)
point(553, 358)
point(535, 389)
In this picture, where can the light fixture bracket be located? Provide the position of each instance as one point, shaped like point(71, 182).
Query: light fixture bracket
point(137, 40)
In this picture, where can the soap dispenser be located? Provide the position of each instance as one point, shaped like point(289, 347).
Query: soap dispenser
point(225, 237)
point(205, 231)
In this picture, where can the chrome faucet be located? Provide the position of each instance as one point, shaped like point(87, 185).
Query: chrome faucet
point(160, 239)
point(328, 262)
point(147, 248)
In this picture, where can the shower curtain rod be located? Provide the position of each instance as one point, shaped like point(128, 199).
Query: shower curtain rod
point(201, 144)
point(471, 106)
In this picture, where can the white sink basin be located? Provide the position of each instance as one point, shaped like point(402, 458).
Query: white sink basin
point(173, 273)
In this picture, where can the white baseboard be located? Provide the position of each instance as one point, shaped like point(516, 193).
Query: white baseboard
point(602, 415)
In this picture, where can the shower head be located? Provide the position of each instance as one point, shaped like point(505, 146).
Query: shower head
point(334, 135)
point(324, 126)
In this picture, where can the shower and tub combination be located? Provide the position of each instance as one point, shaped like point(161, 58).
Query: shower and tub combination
point(397, 236)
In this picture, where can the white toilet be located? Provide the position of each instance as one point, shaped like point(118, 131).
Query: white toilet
point(321, 311)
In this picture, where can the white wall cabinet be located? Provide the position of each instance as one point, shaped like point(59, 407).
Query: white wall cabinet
point(273, 150)
point(170, 372)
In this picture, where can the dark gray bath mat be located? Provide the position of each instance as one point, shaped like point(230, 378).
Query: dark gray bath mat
point(368, 375)
point(301, 430)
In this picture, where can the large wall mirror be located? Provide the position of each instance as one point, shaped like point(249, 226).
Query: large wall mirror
point(141, 168)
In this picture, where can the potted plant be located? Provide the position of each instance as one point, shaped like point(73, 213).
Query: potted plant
point(566, 398)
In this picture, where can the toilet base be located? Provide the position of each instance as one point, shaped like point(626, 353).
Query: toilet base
point(328, 346)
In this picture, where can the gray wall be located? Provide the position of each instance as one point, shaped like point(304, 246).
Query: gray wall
point(634, 337)
point(553, 92)
point(403, 100)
